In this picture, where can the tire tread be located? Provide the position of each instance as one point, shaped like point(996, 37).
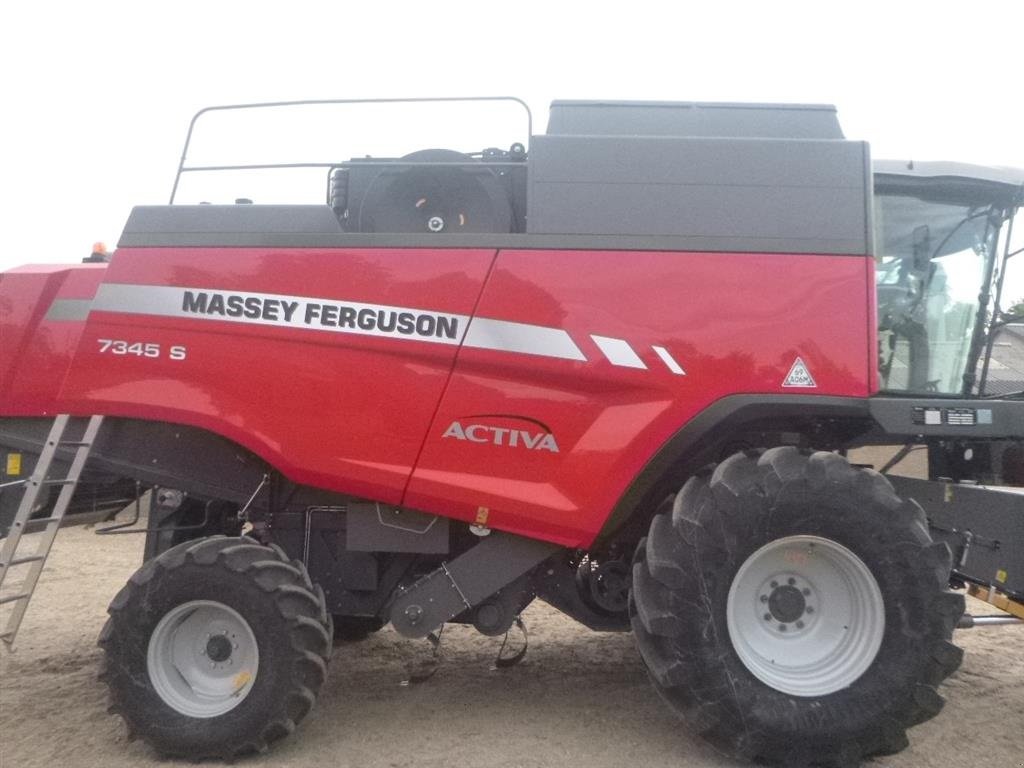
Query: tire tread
point(674, 571)
point(301, 605)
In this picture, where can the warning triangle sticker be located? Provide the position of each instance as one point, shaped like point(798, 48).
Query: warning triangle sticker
point(799, 376)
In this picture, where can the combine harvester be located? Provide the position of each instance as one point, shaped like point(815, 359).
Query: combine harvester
point(617, 367)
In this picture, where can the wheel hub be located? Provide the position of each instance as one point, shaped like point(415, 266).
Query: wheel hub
point(786, 604)
point(202, 658)
point(218, 648)
point(805, 615)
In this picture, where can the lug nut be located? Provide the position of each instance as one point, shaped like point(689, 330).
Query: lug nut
point(809, 609)
point(764, 598)
point(806, 591)
point(791, 581)
point(774, 584)
point(767, 617)
point(799, 625)
point(783, 627)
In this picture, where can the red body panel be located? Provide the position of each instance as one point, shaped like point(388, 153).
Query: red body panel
point(872, 311)
point(357, 413)
point(343, 412)
point(35, 351)
point(734, 322)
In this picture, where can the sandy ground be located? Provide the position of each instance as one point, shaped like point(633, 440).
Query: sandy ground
point(578, 698)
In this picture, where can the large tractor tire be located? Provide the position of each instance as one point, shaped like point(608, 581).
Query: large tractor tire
point(794, 611)
point(216, 648)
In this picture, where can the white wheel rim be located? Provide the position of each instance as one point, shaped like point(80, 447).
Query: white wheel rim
point(202, 658)
point(805, 615)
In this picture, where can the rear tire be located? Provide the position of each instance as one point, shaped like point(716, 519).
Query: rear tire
point(216, 648)
point(719, 607)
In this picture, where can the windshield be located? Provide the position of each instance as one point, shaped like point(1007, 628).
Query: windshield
point(931, 265)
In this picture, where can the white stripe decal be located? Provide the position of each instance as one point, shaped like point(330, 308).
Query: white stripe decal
point(618, 352)
point(380, 320)
point(668, 360)
point(68, 309)
point(506, 336)
point(336, 315)
point(279, 310)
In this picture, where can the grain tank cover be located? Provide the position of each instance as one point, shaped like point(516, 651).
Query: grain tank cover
point(746, 178)
point(693, 118)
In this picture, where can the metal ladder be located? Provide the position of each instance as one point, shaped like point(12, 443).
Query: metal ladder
point(34, 485)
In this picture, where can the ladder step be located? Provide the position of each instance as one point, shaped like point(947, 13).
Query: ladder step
point(21, 560)
point(46, 526)
point(37, 521)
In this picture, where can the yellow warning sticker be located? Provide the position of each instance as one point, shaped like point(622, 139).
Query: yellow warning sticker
point(1001, 576)
point(482, 513)
point(13, 464)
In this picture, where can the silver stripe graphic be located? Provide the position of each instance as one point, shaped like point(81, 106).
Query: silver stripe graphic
point(484, 333)
point(618, 352)
point(166, 301)
point(668, 360)
point(68, 309)
point(507, 336)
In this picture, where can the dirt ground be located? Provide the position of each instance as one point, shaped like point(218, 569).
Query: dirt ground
point(578, 698)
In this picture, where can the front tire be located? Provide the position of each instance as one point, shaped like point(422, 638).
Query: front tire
point(794, 610)
point(216, 648)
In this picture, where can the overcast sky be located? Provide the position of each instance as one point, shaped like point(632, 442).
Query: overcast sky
point(98, 95)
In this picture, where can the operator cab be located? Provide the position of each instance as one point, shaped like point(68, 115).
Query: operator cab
point(943, 250)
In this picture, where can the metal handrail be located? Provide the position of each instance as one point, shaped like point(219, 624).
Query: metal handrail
point(182, 168)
